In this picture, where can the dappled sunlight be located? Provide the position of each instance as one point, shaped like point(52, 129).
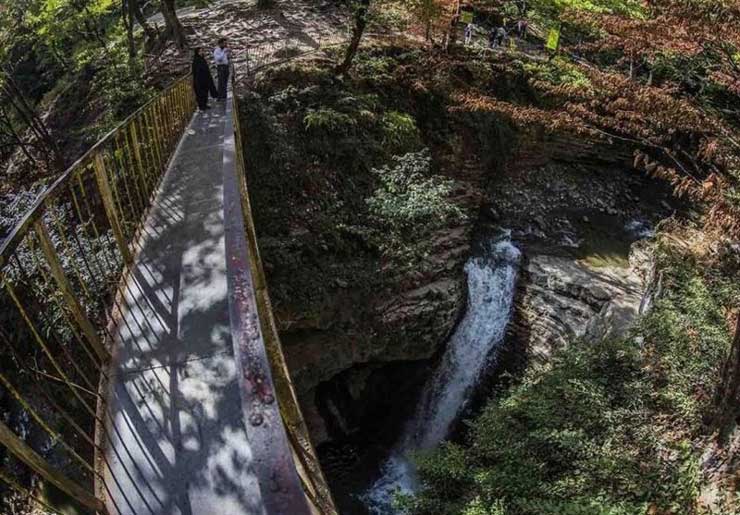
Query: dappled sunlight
point(175, 431)
point(260, 35)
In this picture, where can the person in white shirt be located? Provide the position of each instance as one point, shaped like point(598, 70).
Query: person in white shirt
point(469, 31)
point(222, 55)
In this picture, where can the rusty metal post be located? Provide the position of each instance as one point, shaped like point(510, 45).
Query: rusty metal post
point(78, 313)
point(23, 452)
point(110, 208)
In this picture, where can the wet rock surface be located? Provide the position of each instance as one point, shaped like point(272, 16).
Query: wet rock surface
point(583, 219)
point(562, 298)
point(374, 329)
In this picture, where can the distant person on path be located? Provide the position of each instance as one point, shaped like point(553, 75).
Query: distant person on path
point(521, 28)
point(469, 29)
point(202, 80)
point(500, 36)
point(492, 38)
point(222, 56)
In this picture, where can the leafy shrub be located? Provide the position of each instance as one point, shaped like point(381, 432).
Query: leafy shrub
point(607, 429)
point(364, 107)
point(409, 204)
point(327, 119)
point(119, 84)
point(559, 72)
point(377, 68)
point(391, 16)
point(399, 130)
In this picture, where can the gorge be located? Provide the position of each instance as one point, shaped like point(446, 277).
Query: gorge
point(371, 345)
point(496, 246)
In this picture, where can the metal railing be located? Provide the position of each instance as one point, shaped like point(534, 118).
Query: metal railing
point(63, 277)
point(271, 53)
point(304, 456)
point(61, 271)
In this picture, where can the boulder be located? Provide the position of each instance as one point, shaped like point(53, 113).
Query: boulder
point(562, 298)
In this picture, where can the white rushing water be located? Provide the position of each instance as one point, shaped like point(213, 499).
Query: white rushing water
point(491, 282)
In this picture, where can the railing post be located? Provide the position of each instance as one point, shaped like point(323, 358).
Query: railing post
point(161, 136)
point(27, 455)
point(110, 207)
point(47, 247)
point(139, 161)
point(153, 146)
point(170, 119)
point(179, 97)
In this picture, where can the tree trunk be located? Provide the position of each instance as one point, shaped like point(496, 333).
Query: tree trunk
point(16, 99)
point(728, 395)
point(6, 124)
point(175, 29)
point(452, 29)
point(128, 25)
point(357, 31)
point(136, 14)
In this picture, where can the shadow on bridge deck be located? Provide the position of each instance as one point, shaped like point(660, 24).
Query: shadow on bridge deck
point(176, 439)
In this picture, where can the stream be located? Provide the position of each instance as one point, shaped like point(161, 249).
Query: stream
point(471, 350)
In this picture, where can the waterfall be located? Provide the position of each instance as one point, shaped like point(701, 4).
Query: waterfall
point(471, 349)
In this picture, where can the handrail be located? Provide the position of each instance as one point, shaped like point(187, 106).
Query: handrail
point(10, 242)
point(304, 457)
point(61, 270)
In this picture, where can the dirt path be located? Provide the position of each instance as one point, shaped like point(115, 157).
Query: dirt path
point(292, 26)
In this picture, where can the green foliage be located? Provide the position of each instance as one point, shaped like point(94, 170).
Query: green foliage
point(391, 15)
point(69, 30)
point(399, 130)
point(694, 75)
point(409, 194)
point(327, 119)
point(559, 72)
point(551, 9)
point(409, 204)
point(375, 67)
point(478, 507)
point(607, 429)
point(119, 85)
point(70, 60)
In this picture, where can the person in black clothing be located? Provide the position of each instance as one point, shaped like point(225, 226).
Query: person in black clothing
point(202, 80)
point(492, 38)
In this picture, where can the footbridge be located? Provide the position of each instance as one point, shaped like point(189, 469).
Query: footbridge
point(142, 371)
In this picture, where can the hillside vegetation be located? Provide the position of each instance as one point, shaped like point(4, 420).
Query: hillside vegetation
point(363, 158)
point(639, 425)
point(616, 427)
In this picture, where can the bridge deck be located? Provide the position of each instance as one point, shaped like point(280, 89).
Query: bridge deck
point(176, 439)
